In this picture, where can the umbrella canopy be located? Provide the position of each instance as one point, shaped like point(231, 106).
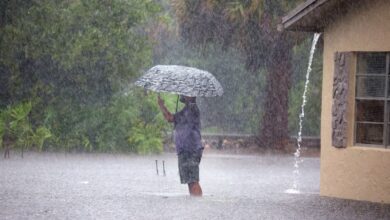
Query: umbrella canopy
point(180, 80)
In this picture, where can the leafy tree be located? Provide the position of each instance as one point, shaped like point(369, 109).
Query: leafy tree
point(71, 60)
point(14, 122)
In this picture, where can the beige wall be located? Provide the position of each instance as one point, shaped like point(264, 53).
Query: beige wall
point(360, 173)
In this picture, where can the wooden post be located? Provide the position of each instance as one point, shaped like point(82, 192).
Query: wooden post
point(164, 167)
point(157, 166)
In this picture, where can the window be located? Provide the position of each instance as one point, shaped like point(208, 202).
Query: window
point(372, 122)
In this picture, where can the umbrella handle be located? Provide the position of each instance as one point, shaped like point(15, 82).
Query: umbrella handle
point(177, 103)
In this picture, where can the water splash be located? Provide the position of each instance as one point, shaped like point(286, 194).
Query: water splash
point(297, 154)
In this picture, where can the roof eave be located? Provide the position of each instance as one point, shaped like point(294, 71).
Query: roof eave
point(289, 22)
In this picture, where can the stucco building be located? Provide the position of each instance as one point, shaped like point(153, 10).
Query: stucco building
point(355, 118)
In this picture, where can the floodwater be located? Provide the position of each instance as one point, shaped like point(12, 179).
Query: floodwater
point(106, 186)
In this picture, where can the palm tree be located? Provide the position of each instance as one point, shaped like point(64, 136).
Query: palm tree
point(251, 26)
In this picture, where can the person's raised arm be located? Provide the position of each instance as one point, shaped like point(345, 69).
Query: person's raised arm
point(167, 115)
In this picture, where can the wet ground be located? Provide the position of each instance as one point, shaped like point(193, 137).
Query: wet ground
point(86, 186)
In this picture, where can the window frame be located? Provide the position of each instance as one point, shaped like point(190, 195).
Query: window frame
point(386, 99)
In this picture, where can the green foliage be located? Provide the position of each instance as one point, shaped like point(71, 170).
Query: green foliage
point(72, 60)
point(147, 130)
point(79, 51)
point(109, 128)
point(19, 126)
point(145, 138)
point(18, 116)
point(39, 137)
point(15, 123)
point(66, 67)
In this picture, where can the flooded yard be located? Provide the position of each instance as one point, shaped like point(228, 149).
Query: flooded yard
point(109, 186)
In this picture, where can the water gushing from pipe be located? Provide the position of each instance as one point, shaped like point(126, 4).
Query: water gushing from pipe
point(297, 154)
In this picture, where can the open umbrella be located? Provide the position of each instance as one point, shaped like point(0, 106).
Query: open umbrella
point(180, 80)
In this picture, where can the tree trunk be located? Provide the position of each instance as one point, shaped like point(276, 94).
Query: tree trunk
point(274, 125)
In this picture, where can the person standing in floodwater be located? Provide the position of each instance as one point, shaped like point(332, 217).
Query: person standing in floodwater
point(188, 143)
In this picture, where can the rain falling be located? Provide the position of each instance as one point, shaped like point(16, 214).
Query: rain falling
point(193, 109)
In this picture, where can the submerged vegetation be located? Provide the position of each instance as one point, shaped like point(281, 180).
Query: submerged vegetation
point(66, 70)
